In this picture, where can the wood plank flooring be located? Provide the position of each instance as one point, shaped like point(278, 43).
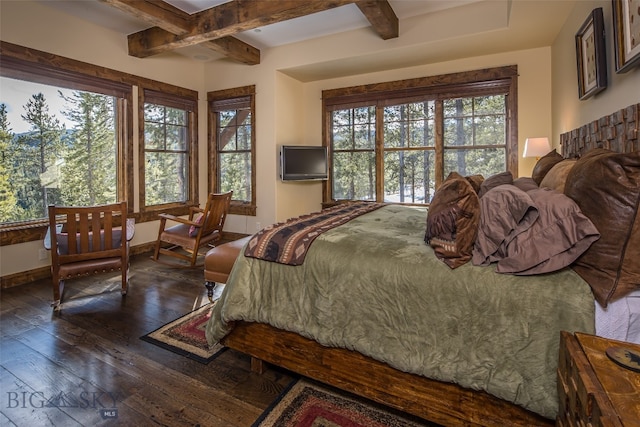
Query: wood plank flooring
point(70, 368)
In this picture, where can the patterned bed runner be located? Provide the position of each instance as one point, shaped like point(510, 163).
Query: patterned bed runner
point(288, 242)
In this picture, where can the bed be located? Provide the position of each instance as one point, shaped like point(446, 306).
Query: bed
point(386, 316)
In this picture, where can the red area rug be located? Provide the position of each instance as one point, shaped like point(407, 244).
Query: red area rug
point(308, 404)
point(185, 336)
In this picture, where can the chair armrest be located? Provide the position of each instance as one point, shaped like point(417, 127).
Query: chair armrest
point(178, 219)
point(194, 211)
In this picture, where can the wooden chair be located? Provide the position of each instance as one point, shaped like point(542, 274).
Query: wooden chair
point(203, 227)
point(99, 246)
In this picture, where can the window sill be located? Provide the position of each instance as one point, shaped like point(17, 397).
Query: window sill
point(23, 232)
point(239, 208)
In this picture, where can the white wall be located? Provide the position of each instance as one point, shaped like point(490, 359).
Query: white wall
point(622, 89)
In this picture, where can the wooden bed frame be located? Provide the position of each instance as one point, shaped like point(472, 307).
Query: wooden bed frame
point(443, 403)
point(439, 402)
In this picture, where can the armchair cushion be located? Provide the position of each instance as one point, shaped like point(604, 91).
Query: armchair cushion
point(63, 241)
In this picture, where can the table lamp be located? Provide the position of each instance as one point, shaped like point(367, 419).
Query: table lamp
point(536, 147)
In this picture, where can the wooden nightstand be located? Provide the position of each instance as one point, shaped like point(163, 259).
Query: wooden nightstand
point(593, 390)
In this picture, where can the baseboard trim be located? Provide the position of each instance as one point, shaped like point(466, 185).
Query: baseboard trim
point(25, 277)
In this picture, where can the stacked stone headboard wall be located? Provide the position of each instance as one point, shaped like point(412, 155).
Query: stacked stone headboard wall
point(617, 132)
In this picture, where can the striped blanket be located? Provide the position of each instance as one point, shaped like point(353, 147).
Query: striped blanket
point(287, 242)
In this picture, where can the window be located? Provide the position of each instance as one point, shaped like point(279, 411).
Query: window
point(232, 144)
point(399, 143)
point(168, 150)
point(60, 140)
point(475, 135)
point(75, 142)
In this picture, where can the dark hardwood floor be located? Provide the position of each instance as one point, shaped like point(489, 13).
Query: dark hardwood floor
point(66, 368)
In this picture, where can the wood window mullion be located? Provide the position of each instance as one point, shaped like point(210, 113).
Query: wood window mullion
point(379, 153)
point(439, 142)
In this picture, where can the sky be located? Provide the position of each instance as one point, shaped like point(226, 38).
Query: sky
point(16, 93)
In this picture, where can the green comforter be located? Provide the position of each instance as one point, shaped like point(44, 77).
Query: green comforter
point(373, 285)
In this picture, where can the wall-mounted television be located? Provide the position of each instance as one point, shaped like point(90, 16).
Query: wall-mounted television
point(301, 163)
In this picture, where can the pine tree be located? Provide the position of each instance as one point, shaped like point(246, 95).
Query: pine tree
point(89, 168)
point(166, 154)
point(8, 202)
point(36, 151)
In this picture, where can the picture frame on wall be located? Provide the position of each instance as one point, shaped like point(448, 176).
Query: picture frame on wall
point(591, 55)
point(626, 27)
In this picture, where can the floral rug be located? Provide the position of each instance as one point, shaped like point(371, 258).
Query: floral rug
point(308, 404)
point(185, 336)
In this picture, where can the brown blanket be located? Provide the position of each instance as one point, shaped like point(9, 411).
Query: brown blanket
point(288, 242)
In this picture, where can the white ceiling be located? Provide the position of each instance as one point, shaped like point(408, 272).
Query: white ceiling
point(529, 24)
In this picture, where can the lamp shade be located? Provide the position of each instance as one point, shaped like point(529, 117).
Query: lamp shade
point(536, 147)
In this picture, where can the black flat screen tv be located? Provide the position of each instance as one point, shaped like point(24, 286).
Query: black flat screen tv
point(303, 163)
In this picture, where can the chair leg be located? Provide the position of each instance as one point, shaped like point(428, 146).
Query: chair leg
point(194, 256)
point(210, 287)
point(125, 281)
point(58, 288)
point(156, 252)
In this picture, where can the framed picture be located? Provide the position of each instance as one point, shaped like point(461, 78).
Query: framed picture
point(626, 26)
point(591, 56)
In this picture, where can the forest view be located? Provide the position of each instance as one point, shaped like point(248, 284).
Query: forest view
point(69, 155)
point(65, 151)
point(65, 157)
point(474, 142)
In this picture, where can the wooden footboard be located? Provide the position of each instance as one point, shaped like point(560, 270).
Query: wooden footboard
point(439, 402)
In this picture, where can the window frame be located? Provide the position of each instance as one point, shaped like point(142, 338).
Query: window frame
point(237, 207)
point(40, 67)
point(489, 81)
point(175, 98)
point(43, 67)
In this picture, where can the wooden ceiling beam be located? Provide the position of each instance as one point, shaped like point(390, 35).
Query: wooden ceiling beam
point(381, 16)
point(158, 13)
point(169, 22)
point(215, 27)
point(225, 20)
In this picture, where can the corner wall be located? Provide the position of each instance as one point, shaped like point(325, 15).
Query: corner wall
point(290, 112)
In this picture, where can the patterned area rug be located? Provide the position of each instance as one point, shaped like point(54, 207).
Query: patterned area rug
point(185, 336)
point(308, 404)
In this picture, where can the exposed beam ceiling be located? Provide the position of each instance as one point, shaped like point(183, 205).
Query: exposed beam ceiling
point(215, 27)
point(170, 21)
